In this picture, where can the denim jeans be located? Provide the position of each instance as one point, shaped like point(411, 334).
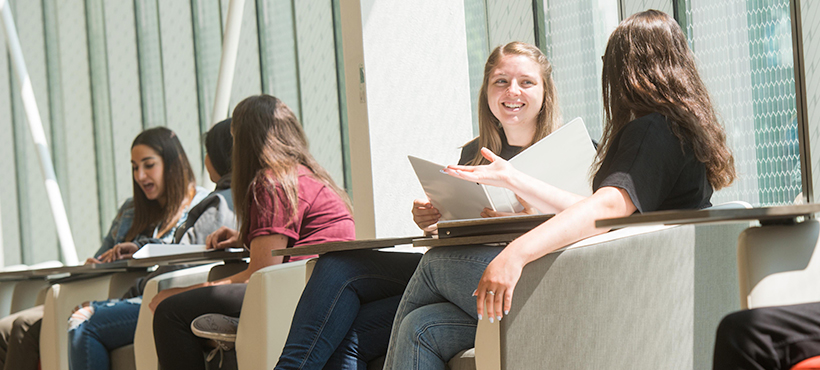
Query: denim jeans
point(111, 326)
point(437, 316)
point(344, 316)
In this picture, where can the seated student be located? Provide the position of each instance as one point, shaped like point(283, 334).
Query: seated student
point(99, 327)
point(662, 148)
point(164, 189)
point(344, 316)
point(283, 198)
point(768, 338)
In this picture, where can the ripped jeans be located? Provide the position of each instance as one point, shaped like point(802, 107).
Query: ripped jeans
point(111, 325)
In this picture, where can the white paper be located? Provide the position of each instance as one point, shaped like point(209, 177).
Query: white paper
point(455, 198)
point(157, 250)
point(562, 159)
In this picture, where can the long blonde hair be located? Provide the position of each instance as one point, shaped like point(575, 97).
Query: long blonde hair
point(269, 145)
point(548, 119)
point(648, 67)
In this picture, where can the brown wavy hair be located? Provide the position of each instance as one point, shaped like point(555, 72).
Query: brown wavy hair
point(269, 145)
point(648, 67)
point(548, 119)
point(177, 176)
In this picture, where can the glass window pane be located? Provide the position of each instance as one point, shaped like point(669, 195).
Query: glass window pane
point(575, 54)
point(744, 50)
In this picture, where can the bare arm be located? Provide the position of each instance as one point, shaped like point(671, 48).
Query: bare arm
point(543, 196)
point(575, 223)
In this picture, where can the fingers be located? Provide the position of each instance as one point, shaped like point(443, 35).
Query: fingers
point(479, 301)
point(225, 244)
point(493, 303)
point(487, 153)
point(421, 203)
point(424, 214)
point(92, 261)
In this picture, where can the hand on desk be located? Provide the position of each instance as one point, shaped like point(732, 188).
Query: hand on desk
point(118, 252)
point(222, 238)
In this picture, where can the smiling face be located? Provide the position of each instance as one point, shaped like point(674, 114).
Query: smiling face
point(147, 167)
point(515, 92)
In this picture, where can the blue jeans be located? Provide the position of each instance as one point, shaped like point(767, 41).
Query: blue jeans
point(437, 316)
point(344, 316)
point(112, 326)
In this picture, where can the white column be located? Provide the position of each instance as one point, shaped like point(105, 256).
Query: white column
point(227, 65)
point(408, 92)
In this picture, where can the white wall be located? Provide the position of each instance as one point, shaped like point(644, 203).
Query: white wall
point(415, 99)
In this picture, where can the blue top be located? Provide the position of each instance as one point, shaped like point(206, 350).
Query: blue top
point(125, 217)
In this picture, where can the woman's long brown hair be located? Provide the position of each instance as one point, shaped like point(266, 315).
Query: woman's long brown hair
point(648, 67)
point(269, 145)
point(549, 117)
point(177, 176)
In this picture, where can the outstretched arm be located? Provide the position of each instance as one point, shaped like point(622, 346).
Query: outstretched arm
point(545, 197)
point(575, 223)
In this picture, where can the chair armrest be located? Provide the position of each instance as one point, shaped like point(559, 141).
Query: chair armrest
point(145, 353)
point(601, 302)
point(61, 300)
point(267, 310)
point(779, 264)
point(27, 294)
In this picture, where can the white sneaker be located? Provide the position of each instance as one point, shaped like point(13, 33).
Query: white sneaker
point(215, 326)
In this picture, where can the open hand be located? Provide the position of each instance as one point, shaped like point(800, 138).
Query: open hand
point(222, 238)
point(425, 215)
point(497, 173)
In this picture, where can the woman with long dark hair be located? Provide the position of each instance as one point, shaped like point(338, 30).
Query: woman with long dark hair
point(662, 148)
point(282, 197)
point(96, 328)
point(163, 192)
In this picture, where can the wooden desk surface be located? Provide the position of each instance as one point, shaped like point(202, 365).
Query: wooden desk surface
point(201, 257)
point(467, 240)
point(308, 250)
point(16, 275)
point(777, 214)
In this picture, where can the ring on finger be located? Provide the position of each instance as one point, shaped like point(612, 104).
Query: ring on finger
point(490, 292)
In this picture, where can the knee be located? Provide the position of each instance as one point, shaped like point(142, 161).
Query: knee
point(418, 328)
point(733, 327)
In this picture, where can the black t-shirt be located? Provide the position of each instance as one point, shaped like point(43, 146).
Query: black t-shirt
point(469, 150)
point(648, 161)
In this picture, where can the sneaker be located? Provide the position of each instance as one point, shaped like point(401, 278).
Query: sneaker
point(215, 326)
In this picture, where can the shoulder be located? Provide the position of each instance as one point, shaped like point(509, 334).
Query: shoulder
point(127, 207)
point(651, 126)
point(468, 151)
point(199, 196)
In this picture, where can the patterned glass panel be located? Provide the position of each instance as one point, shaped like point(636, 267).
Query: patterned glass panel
point(575, 54)
point(744, 49)
point(478, 48)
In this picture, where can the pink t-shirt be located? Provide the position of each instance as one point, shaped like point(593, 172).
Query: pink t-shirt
point(321, 215)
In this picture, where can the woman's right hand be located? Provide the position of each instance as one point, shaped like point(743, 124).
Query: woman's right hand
point(528, 210)
point(222, 238)
point(425, 215)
